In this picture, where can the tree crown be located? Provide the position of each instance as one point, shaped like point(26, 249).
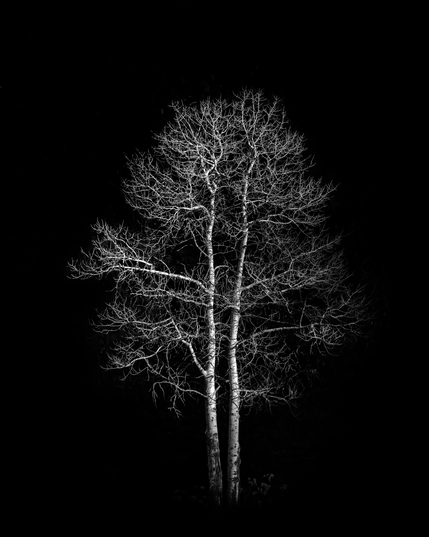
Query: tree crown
point(233, 256)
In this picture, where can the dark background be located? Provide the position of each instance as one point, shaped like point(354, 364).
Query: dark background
point(80, 92)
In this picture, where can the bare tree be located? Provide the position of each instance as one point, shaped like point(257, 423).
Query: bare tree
point(231, 276)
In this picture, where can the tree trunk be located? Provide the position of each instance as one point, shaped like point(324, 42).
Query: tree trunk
point(233, 473)
point(213, 451)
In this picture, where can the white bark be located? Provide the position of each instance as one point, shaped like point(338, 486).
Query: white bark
point(233, 471)
point(233, 464)
point(212, 442)
point(212, 435)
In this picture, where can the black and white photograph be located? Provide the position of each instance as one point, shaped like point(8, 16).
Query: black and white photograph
point(202, 235)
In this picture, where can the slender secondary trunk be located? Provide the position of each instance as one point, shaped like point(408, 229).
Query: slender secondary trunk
point(233, 471)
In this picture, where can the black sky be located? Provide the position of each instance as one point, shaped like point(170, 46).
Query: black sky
point(84, 94)
point(82, 91)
